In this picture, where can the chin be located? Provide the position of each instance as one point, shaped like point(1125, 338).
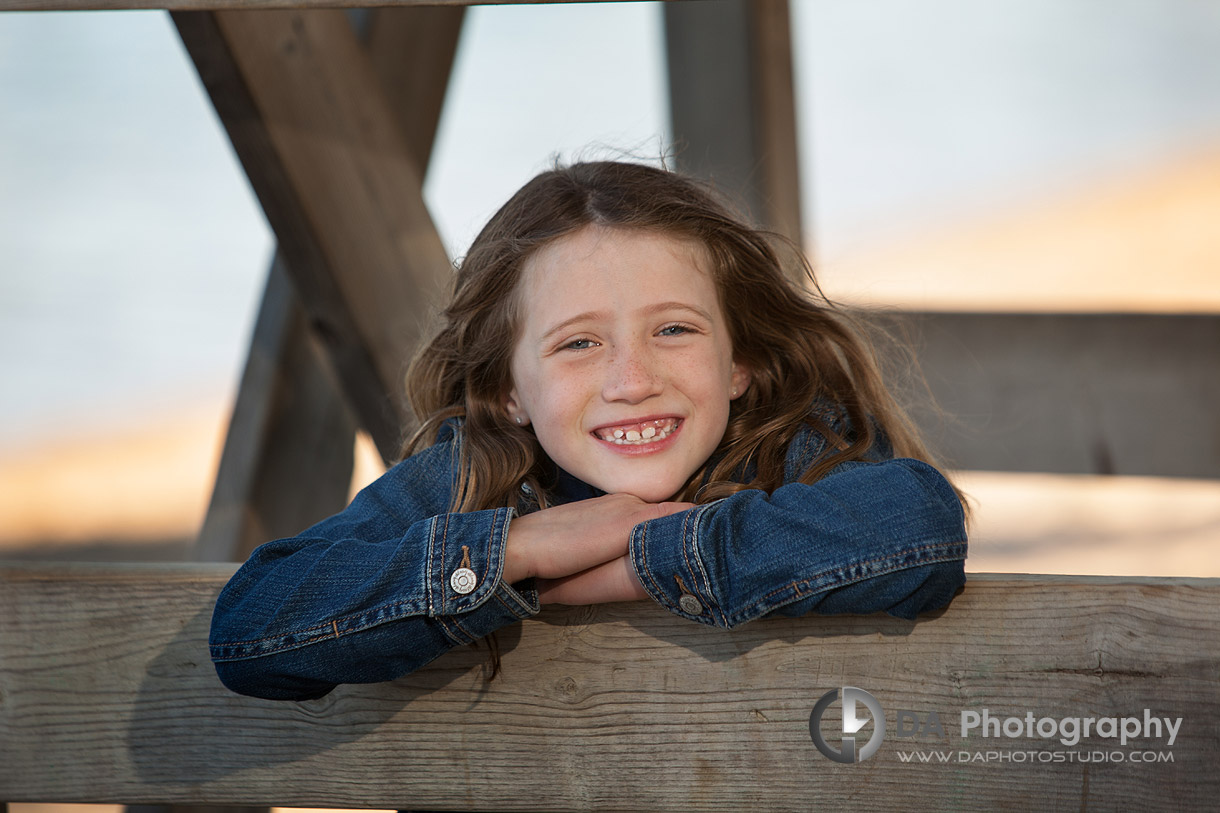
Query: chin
point(651, 494)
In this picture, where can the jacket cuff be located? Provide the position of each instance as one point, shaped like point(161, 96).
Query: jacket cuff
point(465, 559)
point(506, 605)
point(665, 556)
point(466, 594)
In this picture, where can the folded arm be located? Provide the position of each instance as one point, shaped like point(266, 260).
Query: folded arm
point(880, 536)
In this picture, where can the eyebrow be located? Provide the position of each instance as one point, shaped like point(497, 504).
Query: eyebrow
point(648, 311)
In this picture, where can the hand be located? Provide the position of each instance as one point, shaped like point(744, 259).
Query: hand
point(571, 538)
point(611, 581)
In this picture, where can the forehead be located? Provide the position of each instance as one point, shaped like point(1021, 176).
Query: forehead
point(599, 268)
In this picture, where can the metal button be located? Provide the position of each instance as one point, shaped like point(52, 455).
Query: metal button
point(463, 580)
point(690, 604)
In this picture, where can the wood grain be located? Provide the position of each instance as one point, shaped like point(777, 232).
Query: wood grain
point(291, 423)
point(412, 49)
point(303, 106)
point(353, 175)
point(107, 695)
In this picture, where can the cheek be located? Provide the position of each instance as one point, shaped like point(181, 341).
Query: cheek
point(556, 395)
point(715, 370)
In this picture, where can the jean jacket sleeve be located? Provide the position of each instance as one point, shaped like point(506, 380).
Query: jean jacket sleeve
point(369, 594)
point(876, 535)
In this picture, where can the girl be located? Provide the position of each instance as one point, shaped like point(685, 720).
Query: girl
point(627, 399)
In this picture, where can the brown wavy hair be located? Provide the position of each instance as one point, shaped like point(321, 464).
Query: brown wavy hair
point(800, 348)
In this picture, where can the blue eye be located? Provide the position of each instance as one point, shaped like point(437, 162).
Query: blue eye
point(578, 344)
point(674, 330)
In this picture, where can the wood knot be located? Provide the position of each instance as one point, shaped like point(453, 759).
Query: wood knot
point(567, 689)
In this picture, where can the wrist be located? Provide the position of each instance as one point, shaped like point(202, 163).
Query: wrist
point(516, 564)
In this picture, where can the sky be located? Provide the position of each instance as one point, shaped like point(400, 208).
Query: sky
point(132, 252)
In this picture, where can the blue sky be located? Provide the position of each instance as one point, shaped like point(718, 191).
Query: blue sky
point(132, 252)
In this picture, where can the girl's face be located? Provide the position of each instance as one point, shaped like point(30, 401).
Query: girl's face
point(624, 364)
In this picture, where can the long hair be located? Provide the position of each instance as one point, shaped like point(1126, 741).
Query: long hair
point(799, 348)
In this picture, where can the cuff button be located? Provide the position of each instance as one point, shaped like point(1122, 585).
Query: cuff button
point(463, 580)
point(690, 604)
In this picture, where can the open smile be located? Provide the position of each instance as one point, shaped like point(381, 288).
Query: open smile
point(638, 434)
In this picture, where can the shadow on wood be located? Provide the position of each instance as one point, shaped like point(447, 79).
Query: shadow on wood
point(106, 695)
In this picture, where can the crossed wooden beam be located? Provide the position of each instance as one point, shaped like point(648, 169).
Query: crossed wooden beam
point(337, 163)
point(333, 120)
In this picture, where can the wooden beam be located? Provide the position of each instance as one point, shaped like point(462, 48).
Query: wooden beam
point(287, 461)
point(1126, 394)
point(319, 142)
point(732, 102)
point(107, 695)
point(412, 50)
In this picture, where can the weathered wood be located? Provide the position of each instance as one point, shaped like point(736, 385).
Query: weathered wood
point(1130, 394)
point(287, 460)
point(107, 695)
point(732, 102)
point(412, 50)
point(319, 142)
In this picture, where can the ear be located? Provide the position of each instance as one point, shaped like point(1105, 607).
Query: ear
point(516, 413)
point(740, 381)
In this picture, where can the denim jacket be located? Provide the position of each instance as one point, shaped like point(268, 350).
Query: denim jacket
point(395, 580)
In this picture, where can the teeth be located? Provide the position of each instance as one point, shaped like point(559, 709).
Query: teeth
point(651, 432)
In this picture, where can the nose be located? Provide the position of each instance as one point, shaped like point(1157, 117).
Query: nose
point(632, 375)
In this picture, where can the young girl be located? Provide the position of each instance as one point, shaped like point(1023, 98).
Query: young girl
point(627, 399)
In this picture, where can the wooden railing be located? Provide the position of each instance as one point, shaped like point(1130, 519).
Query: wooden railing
point(107, 695)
